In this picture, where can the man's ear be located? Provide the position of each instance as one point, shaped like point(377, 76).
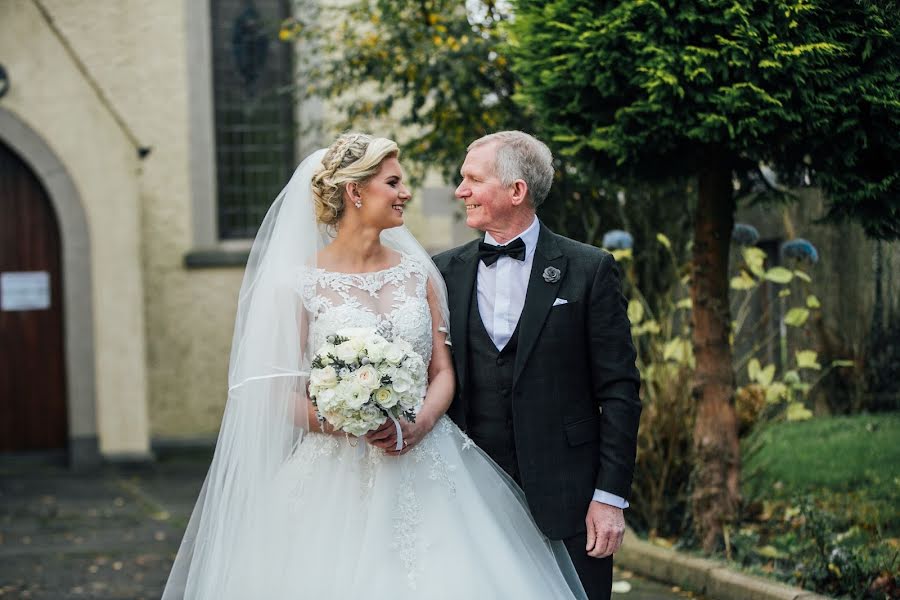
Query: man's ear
point(519, 192)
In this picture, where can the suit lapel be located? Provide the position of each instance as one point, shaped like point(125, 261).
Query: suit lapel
point(462, 279)
point(539, 296)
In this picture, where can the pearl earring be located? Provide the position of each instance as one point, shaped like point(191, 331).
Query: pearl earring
point(358, 204)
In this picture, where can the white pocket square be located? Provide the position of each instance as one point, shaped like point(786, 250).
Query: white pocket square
point(560, 301)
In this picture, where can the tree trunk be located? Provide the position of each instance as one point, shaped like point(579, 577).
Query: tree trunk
point(716, 477)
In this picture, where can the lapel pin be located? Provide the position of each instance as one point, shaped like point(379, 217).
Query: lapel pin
point(551, 274)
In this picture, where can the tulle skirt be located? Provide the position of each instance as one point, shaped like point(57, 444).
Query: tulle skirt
point(442, 521)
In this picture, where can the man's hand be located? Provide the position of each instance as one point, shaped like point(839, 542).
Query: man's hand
point(605, 529)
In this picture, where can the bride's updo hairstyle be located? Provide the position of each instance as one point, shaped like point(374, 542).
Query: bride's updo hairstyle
point(352, 158)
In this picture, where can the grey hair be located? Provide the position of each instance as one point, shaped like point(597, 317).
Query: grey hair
point(521, 156)
point(352, 158)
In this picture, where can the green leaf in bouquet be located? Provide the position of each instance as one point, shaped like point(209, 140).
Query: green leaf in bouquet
point(842, 363)
point(684, 303)
point(784, 293)
point(812, 302)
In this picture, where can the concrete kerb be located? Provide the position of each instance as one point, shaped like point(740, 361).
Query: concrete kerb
point(706, 577)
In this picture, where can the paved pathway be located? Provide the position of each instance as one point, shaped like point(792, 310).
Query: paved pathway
point(112, 534)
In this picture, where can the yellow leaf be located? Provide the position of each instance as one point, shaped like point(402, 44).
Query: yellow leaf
point(784, 293)
point(754, 257)
point(753, 369)
point(743, 281)
point(775, 392)
point(779, 275)
point(662, 239)
point(797, 412)
point(766, 376)
point(770, 551)
point(677, 349)
point(802, 275)
point(796, 317)
point(622, 254)
point(635, 311)
point(684, 303)
point(842, 363)
point(812, 302)
point(806, 359)
point(651, 326)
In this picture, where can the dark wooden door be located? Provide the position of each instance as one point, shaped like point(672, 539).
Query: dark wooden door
point(32, 373)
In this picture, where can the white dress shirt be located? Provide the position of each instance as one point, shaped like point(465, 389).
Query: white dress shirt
point(501, 291)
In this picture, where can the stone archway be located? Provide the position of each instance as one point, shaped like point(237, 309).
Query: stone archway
point(76, 271)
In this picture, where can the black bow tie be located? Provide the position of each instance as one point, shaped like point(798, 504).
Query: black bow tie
point(489, 254)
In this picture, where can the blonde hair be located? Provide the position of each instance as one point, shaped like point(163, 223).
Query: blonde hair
point(352, 158)
point(521, 156)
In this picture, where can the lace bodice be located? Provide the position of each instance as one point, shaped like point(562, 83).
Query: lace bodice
point(393, 300)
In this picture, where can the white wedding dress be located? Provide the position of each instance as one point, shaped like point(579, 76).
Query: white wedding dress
point(347, 521)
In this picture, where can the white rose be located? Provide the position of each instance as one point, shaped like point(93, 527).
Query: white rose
point(324, 352)
point(335, 418)
point(402, 381)
point(414, 366)
point(347, 352)
point(355, 427)
point(326, 399)
point(409, 401)
point(371, 415)
point(375, 350)
point(385, 397)
point(367, 376)
point(393, 354)
point(326, 377)
point(357, 395)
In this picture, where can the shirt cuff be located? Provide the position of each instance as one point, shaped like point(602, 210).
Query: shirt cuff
point(611, 499)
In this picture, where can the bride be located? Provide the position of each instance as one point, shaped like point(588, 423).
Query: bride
point(292, 509)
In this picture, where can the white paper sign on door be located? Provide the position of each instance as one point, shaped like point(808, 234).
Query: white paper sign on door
point(24, 290)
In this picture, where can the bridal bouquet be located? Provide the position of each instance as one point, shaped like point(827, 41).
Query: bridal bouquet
point(359, 379)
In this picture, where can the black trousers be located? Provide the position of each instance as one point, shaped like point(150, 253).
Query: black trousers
point(595, 573)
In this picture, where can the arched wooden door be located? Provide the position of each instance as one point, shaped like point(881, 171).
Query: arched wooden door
point(33, 414)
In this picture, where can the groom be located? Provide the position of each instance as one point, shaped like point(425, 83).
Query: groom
point(547, 383)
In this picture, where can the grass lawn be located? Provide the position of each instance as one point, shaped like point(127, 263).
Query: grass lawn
point(823, 504)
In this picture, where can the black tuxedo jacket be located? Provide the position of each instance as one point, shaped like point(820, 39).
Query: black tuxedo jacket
point(575, 398)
